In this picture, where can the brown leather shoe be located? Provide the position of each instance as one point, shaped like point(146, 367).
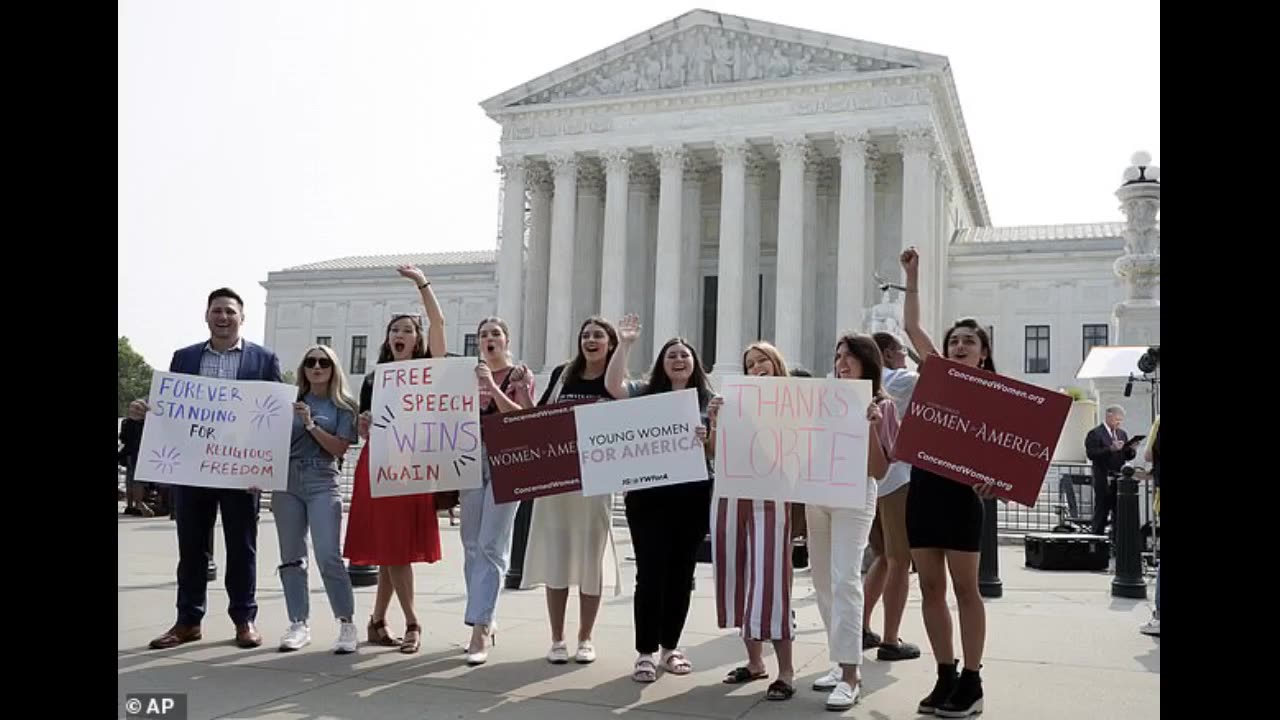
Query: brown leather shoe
point(247, 636)
point(177, 635)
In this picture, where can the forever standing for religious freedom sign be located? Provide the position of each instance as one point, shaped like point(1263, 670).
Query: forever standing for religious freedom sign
point(533, 453)
point(640, 443)
point(217, 433)
point(793, 440)
point(424, 434)
point(976, 427)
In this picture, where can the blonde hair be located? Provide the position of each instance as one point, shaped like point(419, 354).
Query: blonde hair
point(337, 391)
point(769, 351)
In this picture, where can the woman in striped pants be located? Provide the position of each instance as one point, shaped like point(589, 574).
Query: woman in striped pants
point(751, 556)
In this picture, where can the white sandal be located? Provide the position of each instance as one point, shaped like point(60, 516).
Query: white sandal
point(676, 663)
point(645, 671)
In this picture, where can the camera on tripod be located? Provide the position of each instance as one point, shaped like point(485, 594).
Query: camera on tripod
point(1150, 360)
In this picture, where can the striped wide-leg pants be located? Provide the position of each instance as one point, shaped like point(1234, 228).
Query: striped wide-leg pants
point(751, 556)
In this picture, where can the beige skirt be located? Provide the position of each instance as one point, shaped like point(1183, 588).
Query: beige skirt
point(568, 536)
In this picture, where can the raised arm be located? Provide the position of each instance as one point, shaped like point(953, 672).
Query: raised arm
point(615, 376)
point(911, 305)
point(435, 316)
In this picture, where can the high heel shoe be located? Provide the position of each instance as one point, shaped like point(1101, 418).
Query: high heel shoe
point(378, 634)
point(489, 638)
point(412, 639)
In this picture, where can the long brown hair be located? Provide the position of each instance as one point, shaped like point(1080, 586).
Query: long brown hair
point(769, 351)
point(865, 349)
point(576, 366)
point(970, 324)
point(420, 349)
point(659, 381)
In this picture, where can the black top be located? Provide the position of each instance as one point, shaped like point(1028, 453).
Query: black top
point(575, 389)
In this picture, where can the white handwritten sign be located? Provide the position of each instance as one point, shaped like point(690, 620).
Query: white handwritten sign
point(793, 439)
point(217, 433)
point(424, 434)
point(640, 443)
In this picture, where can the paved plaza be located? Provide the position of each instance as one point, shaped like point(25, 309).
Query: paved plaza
point(1058, 646)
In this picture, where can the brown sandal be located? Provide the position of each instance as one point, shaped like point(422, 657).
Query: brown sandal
point(378, 634)
point(412, 639)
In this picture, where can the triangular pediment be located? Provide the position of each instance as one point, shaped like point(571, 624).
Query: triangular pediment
point(702, 50)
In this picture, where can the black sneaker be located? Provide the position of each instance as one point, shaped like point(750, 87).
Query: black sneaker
point(966, 699)
point(870, 640)
point(898, 651)
point(948, 678)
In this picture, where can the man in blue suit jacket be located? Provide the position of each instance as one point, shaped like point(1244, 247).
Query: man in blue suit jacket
point(227, 356)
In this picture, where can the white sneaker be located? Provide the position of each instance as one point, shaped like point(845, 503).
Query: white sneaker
point(1151, 628)
point(298, 637)
point(348, 639)
point(586, 653)
point(559, 653)
point(844, 696)
point(830, 680)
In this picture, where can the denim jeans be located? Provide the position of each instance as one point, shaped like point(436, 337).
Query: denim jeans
point(312, 499)
point(486, 544)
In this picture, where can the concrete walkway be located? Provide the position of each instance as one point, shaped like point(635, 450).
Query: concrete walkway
point(1058, 646)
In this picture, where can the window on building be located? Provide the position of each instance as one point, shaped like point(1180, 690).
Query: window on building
point(359, 344)
point(1037, 349)
point(325, 340)
point(470, 347)
point(1094, 336)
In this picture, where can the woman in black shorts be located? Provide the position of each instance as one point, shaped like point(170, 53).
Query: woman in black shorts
point(944, 525)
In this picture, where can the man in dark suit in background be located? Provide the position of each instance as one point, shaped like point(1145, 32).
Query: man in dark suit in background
point(1105, 446)
point(225, 356)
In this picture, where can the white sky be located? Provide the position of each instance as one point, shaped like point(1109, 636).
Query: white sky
point(256, 135)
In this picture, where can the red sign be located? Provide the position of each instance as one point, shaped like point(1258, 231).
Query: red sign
point(533, 453)
point(975, 427)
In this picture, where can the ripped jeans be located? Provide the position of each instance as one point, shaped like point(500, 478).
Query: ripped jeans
point(312, 500)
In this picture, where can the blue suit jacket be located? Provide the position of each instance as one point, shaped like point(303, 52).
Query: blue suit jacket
point(256, 362)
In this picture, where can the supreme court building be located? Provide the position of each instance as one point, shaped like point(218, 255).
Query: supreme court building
point(730, 179)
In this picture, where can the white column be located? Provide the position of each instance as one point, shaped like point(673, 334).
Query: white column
point(877, 182)
point(564, 168)
point(613, 258)
point(538, 179)
point(511, 250)
point(732, 231)
point(667, 278)
point(587, 255)
point(789, 303)
point(639, 259)
point(809, 283)
point(691, 242)
point(851, 249)
point(755, 169)
point(917, 209)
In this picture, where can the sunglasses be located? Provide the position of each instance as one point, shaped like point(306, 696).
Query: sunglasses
point(311, 362)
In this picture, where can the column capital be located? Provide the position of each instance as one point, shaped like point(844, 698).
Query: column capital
point(854, 144)
point(590, 177)
point(918, 141)
point(671, 156)
point(563, 164)
point(695, 170)
point(757, 166)
point(509, 164)
point(641, 173)
point(537, 176)
point(732, 151)
point(792, 147)
point(615, 159)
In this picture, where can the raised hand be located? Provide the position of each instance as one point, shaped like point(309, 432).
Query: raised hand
point(629, 328)
point(910, 260)
point(138, 409)
point(413, 273)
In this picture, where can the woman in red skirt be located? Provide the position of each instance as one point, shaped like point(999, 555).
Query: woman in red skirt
point(394, 532)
